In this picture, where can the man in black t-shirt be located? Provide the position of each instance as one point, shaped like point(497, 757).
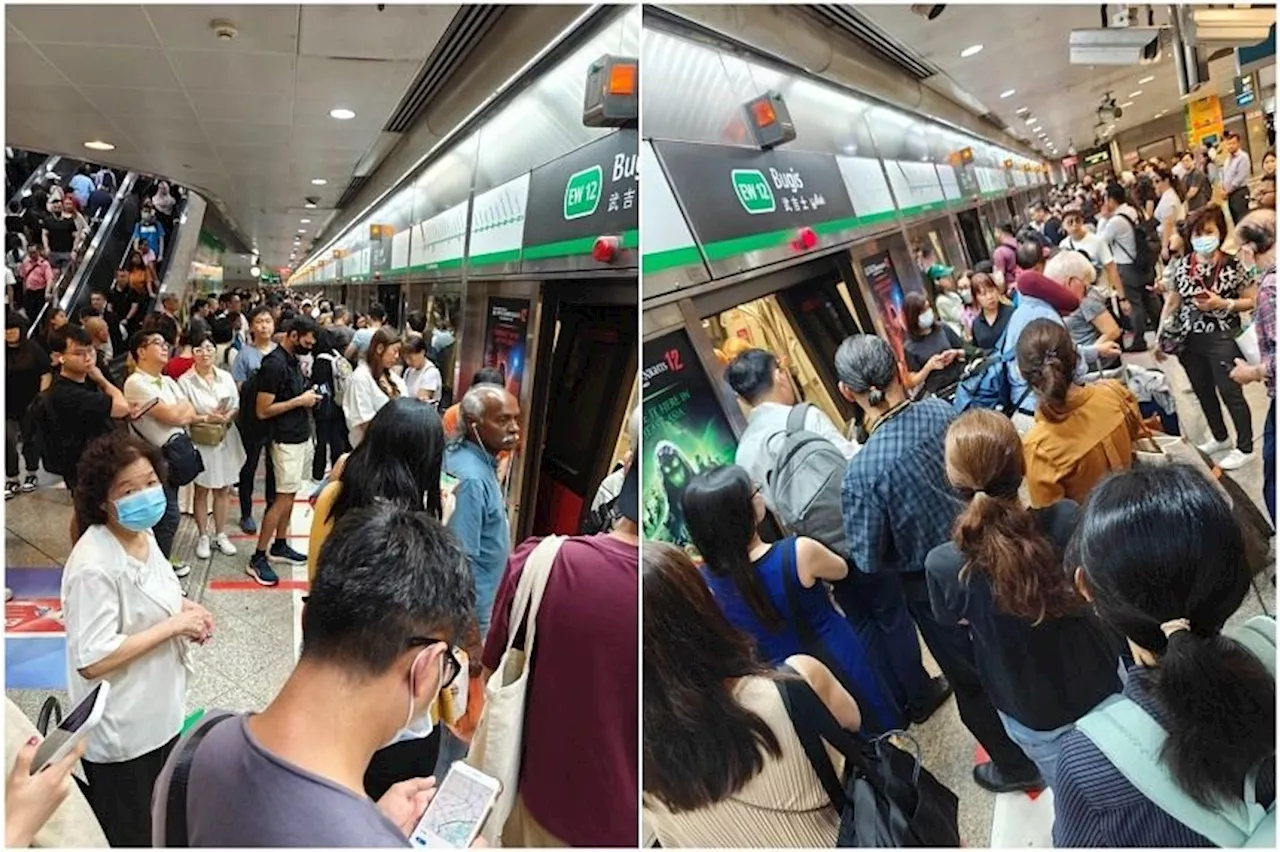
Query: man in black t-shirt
point(284, 400)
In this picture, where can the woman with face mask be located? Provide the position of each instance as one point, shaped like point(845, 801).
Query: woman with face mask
point(1256, 235)
point(934, 352)
point(1210, 290)
point(127, 622)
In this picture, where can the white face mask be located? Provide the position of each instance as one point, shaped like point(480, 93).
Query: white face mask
point(926, 319)
point(421, 727)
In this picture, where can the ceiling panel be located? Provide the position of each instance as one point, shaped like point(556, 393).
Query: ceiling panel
point(245, 119)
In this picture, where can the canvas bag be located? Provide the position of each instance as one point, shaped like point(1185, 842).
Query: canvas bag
point(805, 483)
point(498, 743)
point(1132, 741)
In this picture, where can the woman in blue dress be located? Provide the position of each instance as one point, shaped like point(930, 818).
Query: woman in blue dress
point(776, 592)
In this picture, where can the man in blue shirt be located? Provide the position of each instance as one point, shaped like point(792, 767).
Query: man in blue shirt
point(151, 232)
point(1063, 270)
point(490, 425)
point(897, 506)
point(82, 185)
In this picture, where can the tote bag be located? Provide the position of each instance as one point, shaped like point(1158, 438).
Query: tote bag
point(498, 742)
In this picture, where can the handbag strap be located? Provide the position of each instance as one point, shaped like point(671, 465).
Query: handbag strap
point(529, 592)
point(175, 814)
point(814, 723)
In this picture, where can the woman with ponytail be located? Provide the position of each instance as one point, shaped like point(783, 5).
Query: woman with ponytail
point(1043, 658)
point(1161, 558)
point(1081, 432)
point(723, 509)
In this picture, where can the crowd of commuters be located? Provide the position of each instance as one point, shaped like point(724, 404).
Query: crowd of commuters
point(201, 394)
point(1060, 585)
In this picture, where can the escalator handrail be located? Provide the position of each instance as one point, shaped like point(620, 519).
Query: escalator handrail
point(67, 273)
point(34, 178)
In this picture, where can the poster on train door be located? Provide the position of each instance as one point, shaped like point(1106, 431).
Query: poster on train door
point(685, 433)
point(505, 332)
point(882, 281)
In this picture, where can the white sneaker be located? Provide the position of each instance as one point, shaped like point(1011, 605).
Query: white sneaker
point(225, 545)
point(202, 548)
point(181, 570)
point(1212, 447)
point(1234, 460)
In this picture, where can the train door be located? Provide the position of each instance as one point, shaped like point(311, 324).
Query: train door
point(587, 342)
point(975, 242)
point(389, 297)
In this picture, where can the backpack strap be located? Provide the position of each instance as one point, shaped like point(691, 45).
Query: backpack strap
point(796, 417)
point(175, 813)
point(1132, 741)
point(814, 723)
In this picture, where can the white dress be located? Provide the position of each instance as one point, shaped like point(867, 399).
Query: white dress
point(222, 463)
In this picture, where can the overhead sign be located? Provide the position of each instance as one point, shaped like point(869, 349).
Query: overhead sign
point(668, 244)
point(497, 223)
point(588, 193)
point(730, 194)
point(1097, 158)
point(438, 242)
point(1204, 119)
point(867, 187)
point(1068, 162)
point(1243, 88)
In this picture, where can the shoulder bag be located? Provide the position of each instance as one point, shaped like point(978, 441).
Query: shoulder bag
point(175, 811)
point(886, 798)
point(498, 744)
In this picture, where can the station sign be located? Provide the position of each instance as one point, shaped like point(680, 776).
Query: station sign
point(671, 259)
point(437, 244)
point(497, 223)
point(588, 193)
point(1243, 88)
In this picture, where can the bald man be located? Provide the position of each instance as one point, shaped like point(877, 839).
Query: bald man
point(490, 425)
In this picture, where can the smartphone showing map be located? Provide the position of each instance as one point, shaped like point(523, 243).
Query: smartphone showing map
point(458, 811)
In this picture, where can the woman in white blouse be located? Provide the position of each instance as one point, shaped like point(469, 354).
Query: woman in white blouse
point(373, 384)
point(127, 624)
point(212, 391)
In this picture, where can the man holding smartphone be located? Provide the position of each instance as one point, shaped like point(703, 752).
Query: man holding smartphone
point(391, 597)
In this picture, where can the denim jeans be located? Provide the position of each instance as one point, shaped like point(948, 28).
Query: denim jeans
point(1043, 747)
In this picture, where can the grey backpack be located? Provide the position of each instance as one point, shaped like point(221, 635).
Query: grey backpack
point(805, 483)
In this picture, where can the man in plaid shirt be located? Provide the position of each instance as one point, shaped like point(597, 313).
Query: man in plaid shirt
point(897, 506)
point(1256, 234)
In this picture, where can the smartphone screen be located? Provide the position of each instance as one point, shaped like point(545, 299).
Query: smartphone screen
point(63, 734)
point(456, 814)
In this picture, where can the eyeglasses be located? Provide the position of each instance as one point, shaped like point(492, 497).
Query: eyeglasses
point(452, 665)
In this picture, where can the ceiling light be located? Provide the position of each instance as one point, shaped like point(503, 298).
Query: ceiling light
point(1037, 128)
point(310, 206)
point(1008, 93)
point(99, 145)
point(971, 50)
point(1126, 104)
point(1135, 94)
point(1030, 120)
point(1145, 80)
point(304, 221)
point(319, 182)
point(302, 230)
point(342, 114)
point(255, 271)
point(1021, 110)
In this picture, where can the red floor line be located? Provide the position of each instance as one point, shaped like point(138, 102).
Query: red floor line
point(250, 585)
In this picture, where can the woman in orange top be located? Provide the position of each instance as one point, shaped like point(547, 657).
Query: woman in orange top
point(1081, 433)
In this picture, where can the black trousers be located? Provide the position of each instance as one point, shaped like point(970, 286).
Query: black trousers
point(120, 795)
point(953, 649)
point(32, 303)
point(167, 530)
point(1238, 204)
point(400, 762)
point(1144, 305)
point(1208, 359)
point(13, 435)
point(254, 445)
point(331, 440)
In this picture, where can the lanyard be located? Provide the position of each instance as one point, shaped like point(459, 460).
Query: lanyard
point(887, 416)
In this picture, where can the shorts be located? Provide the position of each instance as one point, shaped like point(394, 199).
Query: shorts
point(290, 464)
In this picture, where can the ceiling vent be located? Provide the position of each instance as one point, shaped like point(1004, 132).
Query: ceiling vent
point(856, 26)
point(353, 189)
point(467, 29)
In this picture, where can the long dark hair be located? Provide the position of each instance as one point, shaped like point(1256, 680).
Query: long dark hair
point(721, 522)
point(1047, 359)
point(25, 355)
point(700, 744)
point(399, 460)
point(995, 533)
point(1159, 544)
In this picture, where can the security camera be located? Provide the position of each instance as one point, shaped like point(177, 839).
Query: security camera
point(382, 7)
point(928, 10)
point(312, 199)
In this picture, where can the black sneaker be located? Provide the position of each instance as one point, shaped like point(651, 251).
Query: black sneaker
point(942, 691)
point(31, 483)
point(247, 526)
point(11, 489)
point(281, 550)
point(261, 571)
point(990, 777)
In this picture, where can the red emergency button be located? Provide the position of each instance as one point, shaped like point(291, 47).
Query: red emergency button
point(605, 249)
point(805, 239)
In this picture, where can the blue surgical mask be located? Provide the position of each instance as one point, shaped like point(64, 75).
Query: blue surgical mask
point(926, 319)
point(1204, 244)
point(142, 510)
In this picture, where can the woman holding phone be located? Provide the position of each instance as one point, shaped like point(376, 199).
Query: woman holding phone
point(933, 351)
point(213, 393)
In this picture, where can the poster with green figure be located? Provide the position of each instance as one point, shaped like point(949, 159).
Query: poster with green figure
point(685, 433)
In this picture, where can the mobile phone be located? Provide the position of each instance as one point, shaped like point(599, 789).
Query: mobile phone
point(75, 727)
point(458, 811)
point(147, 406)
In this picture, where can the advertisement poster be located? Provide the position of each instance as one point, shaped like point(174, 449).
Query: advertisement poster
point(506, 328)
point(38, 615)
point(882, 279)
point(685, 433)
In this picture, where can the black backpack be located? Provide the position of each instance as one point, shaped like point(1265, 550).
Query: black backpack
point(1146, 241)
point(247, 418)
point(42, 423)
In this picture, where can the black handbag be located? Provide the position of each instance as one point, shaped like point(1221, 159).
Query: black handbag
point(183, 460)
point(887, 798)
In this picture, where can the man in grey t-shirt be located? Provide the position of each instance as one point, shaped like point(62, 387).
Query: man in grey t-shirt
point(390, 597)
